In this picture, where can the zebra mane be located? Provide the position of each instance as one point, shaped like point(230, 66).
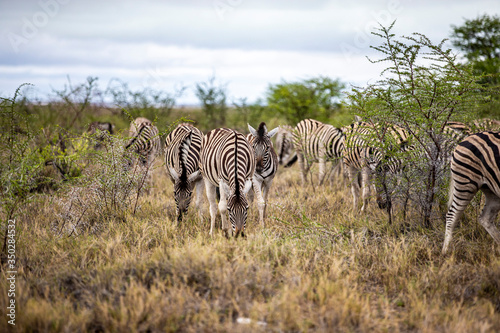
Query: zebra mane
point(236, 183)
point(261, 131)
point(183, 155)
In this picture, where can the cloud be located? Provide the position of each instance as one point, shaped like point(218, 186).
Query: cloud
point(248, 44)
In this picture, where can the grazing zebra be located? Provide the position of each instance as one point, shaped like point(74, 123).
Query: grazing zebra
point(266, 165)
point(100, 132)
point(227, 161)
point(182, 158)
point(317, 142)
point(475, 166)
point(144, 144)
point(362, 158)
point(284, 145)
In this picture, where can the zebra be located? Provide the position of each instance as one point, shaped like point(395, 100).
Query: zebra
point(363, 159)
point(317, 142)
point(266, 165)
point(227, 161)
point(100, 132)
point(182, 157)
point(144, 143)
point(284, 145)
point(475, 166)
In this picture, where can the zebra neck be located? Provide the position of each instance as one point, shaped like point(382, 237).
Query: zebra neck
point(236, 182)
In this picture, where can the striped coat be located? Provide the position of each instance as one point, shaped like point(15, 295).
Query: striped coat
point(284, 145)
point(182, 158)
point(317, 142)
point(228, 162)
point(143, 146)
point(362, 157)
point(475, 166)
point(266, 167)
point(144, 140)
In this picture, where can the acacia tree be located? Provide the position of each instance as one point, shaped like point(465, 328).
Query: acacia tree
point(422, 88)
point(314, 98)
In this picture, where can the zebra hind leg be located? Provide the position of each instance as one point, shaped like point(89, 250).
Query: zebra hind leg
point(457, 206)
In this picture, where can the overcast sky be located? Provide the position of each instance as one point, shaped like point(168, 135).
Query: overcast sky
point(248, 44)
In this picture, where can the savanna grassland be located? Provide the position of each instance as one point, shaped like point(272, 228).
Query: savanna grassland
point(316, 266)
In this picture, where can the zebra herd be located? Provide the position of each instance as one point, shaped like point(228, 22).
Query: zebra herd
point(242, 167)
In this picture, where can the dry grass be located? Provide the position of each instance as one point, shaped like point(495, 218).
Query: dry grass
point(316, 267)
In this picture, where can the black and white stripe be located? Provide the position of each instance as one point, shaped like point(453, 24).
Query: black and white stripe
point(100, 132)
point(266, 165)
point(284, 145)
point(317, 142)
point(144, 141)
point(363, 157)
point(475, 166)
point(228, 162)
point(182, 158)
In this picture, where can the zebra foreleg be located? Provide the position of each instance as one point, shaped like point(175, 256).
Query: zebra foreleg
point(322, 170)
point(199, 198)
point(304, 167)
point(224, 193)
point(355, 188)
point(261, 204)
point(365, 187)
point(265, 192)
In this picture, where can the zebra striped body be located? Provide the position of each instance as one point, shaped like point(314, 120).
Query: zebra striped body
point(284, 144)
point(144, 140)
point(317, 142)
point(182, 158)
point(144, 145)
point(363, 159)
point(354, 157)
point(227, 161)
point(266, 165)
point(475, 166)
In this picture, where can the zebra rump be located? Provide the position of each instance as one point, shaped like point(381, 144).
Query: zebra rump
point(475, 166)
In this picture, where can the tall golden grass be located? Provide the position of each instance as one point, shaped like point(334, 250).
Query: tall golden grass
point(316, 267)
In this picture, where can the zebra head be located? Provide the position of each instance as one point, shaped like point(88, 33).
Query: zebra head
point(183, 190)
point(262, 145)
point(237, 205)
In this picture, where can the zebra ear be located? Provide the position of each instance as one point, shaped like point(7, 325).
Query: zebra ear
point(173, 173)
point(272, 132)
point(252, 130)
point(194, 176)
